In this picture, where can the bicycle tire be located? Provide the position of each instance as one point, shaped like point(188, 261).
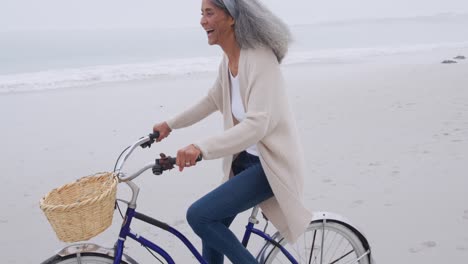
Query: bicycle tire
point(340, 245)
point(86, 258)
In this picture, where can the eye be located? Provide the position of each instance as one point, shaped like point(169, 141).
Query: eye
point(208, 13)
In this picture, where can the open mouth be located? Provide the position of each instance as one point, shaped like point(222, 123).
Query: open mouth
point(209, 32)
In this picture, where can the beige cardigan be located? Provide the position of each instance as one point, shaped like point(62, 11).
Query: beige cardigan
point(269, 123)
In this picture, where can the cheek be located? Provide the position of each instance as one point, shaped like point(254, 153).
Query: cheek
point(213, 24)
point(224, 27)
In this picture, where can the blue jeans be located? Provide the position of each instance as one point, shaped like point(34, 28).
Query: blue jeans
point(211, 216)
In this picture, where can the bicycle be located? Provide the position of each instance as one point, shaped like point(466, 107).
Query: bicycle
point(329, 238)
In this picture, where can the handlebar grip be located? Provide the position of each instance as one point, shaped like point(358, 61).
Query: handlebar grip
point(167, 163)
point(153, 136)
point(173, 161)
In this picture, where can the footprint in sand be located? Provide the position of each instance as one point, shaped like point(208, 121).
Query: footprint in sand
point(395, 174)
point(465, 215)
point(462, 248)
point(313, 198)
point(327, 180)
point(423, 246)
point(178, 223)
point(154, 231)
point(357, 203)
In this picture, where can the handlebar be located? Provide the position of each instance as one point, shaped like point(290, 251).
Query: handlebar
point(143, 142)
point(153, 136)
point(166, 163)
point(160, 165)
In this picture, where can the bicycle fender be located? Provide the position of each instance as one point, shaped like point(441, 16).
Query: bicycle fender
point(74, 249)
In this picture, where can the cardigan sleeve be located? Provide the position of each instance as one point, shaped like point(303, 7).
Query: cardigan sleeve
point(263, 83)
point(203, 108)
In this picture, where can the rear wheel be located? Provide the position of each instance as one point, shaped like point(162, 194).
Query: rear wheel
point(322, 243)
point(84, 258)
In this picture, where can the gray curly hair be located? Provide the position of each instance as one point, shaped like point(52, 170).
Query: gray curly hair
point(255, 25)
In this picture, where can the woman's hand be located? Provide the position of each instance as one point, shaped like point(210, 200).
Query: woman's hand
point(187, 157)
point(163, 129)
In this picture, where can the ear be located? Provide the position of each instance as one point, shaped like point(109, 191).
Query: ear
point(232, 21)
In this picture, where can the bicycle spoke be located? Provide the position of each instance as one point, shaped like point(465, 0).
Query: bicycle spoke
point(359, 258)
point(317, 255)
point(340, 258)
point(322, 255)
point(323, 239)
point(331, 243)
point(312, 248)
point(301, 258)
point(338, 247)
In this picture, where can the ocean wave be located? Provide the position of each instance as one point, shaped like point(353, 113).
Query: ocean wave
point(85, 76)
point(77, 77)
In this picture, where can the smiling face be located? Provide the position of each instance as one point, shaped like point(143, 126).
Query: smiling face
point(218, 25)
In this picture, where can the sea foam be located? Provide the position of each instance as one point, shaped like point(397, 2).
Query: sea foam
point(86, 76)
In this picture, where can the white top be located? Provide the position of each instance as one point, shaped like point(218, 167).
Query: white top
point(237, 107)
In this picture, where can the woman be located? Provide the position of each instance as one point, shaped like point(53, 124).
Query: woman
point(262, 158)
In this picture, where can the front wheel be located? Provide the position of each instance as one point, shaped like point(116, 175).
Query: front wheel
point(322, 243)
point(83, 258)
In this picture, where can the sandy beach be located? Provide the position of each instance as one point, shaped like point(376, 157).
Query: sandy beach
point(385, 138)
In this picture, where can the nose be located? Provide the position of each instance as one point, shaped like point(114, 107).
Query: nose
point(202, 21)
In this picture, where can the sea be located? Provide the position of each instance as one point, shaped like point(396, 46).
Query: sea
point(32, 61)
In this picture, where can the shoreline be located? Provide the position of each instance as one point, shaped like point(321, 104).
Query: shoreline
point(101, 75)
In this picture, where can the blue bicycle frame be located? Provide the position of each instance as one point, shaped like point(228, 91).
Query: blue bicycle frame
point(125, 232)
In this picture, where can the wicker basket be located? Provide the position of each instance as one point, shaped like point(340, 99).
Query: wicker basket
point(81, 210)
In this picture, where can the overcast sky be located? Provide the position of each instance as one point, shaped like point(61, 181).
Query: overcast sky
point(95, 14)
